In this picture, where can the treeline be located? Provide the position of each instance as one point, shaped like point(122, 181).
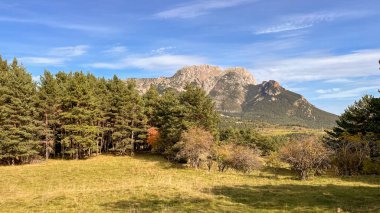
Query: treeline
point(75, 115)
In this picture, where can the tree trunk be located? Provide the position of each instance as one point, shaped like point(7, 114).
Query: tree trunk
point(46, 136)
point(133, 143)
point(303, 175)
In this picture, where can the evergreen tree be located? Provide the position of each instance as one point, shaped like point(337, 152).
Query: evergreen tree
point(136, 117)
point(151, 99)
point(356, 139)
point(126, 119)
point(49, 107)
point(78, 123)
point(102, 106)
point(169, 116)
point(19, 127)
point(118, 116)
point(199, 109)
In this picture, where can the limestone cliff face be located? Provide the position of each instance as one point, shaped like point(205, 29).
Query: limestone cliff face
point(230, 89)
point(204, 76)
point(234, 91)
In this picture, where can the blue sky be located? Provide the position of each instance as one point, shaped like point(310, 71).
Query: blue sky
point(325, 50)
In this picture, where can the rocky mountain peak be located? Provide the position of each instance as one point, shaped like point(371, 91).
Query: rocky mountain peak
point(244, 74)
point(201, 72)
point(271, 88)
point(235, 92)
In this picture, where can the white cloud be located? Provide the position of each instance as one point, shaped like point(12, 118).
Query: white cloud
point(356, 64)
point(338, 80)
point(158, 62)
point(57, 56)
point(162, 50)
point(198, 8)
point(289, 26)
point(116, 50)
point(297, 22)
point(42, 61)
point(324, 91)
point(69, 51)
point(357, 92)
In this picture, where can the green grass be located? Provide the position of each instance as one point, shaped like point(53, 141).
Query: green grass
point(280, 130)
point(148, 183)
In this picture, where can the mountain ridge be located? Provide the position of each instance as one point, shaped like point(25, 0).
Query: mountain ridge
point(236, 93)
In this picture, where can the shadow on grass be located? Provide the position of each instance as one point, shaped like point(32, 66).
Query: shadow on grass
point(152, 203)
point(303, 197)
point(159, 160)
point(367, 179)
point(283, 172)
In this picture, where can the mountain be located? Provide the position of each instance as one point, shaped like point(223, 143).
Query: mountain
point(236, 93)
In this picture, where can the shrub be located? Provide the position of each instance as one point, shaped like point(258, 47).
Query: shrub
point(307, 157)
point(273, 161)
point(223, 156)
point(245, 159)
point(350, 154)
point(196, 146)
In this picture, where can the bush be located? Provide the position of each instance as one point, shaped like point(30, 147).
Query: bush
point(196, 146)
point(307, 157)
point(245, 159)
point(223, 156)
point(350, 154)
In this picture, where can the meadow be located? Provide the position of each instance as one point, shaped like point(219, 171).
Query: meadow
point(148, 183)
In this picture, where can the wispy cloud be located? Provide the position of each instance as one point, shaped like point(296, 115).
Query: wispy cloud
point(357, 92)
point(71, 51)
point(162, 50)
point(56, 56)
point(324, 91)
point(42, 61)
point(302, 21)
point(57, 24)
point(116, 50)
point(356, 64)
point(198, 8)
point(338, 80)
point(165, 62)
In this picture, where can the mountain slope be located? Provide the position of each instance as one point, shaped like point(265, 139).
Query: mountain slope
point(236, 93)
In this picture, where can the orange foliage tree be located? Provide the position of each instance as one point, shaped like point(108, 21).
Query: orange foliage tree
point(153, 135)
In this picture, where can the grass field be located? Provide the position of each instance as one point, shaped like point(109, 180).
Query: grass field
point(282, 130)
point(148, 183)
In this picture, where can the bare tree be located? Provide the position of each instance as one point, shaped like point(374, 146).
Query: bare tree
point(306, 157)
point(196, 146)
point(245, 159)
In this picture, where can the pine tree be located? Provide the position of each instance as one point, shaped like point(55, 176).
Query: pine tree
point(49, 107)
point(102, 105)
point(77, 118)
point(136, 117)
point(357, 137)
point(118, 116)
point(151, 99)
point(199, 108)
point(19, 127)
point(170, 121)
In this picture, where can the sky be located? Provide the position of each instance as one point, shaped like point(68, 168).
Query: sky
point(325, 50)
